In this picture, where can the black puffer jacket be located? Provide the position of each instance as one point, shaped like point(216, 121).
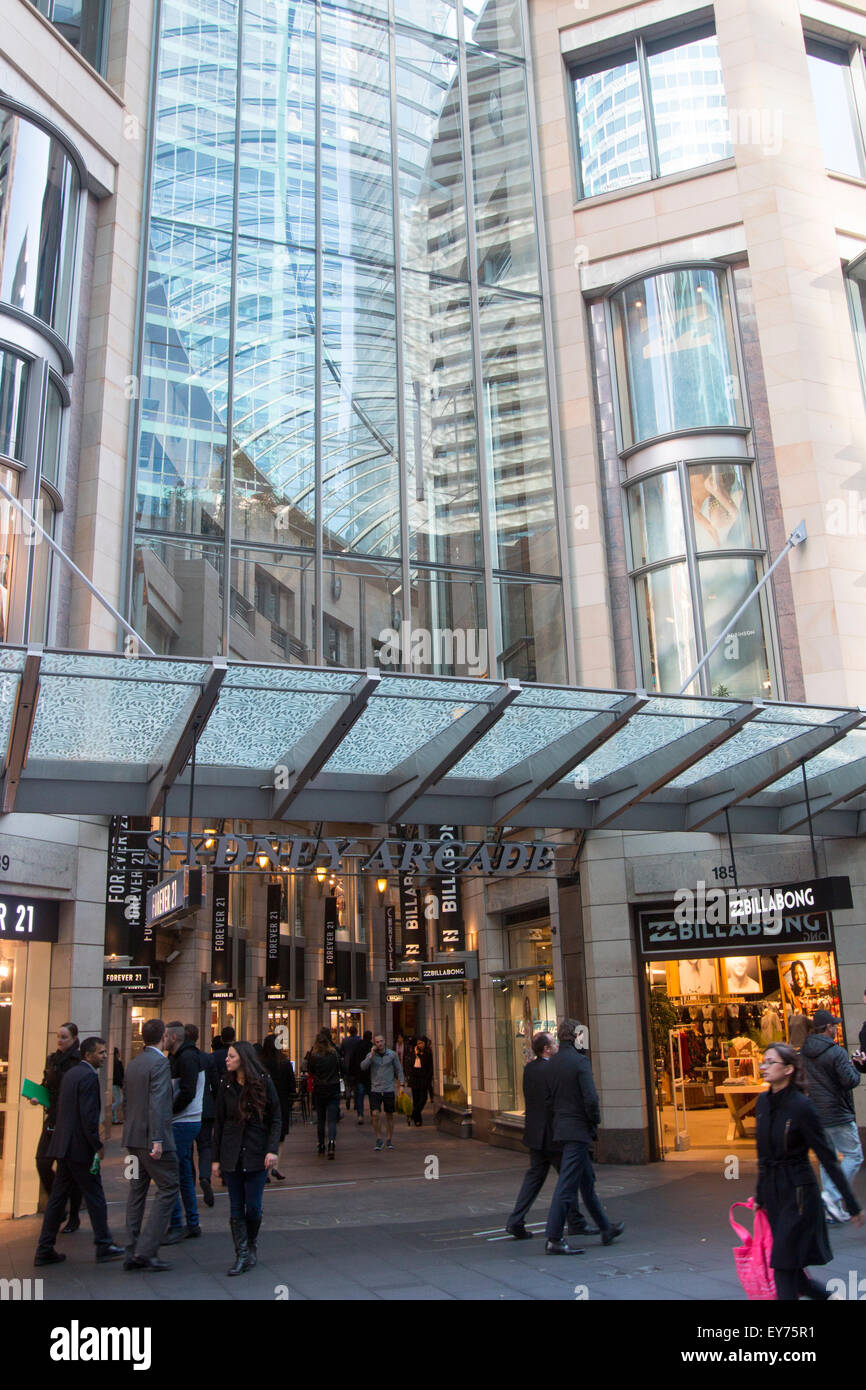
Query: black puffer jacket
point(832, 1076)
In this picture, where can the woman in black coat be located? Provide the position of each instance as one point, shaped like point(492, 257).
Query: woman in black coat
point(57, 1064)
point(788, 1127)
point(419, 1074)
point(323, 1062)
point(246, 1138)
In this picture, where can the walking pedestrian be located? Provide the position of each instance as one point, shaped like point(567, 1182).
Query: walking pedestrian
point(116, 1086)
point(832, 1076)
point(576, 1117)
point(77, 1147)
point(282, 1073)
point(538, 1138)
point(220, 1051)
point(385, 1072)
point(204, 1139)
point(788, 1126)
point(57, 1064)
point(323, 1064)
point(345, 1050)
point(245, 1145)
point(419, 1074)
point(148, 1134)
point(358, 1080)
point(187, 1086)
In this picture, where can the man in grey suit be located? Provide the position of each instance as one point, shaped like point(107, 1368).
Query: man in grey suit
point(147, 1135)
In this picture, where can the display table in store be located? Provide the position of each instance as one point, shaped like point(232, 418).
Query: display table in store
point(741, 1100)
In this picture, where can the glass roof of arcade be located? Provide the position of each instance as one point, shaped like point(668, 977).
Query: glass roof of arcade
point(108, 734)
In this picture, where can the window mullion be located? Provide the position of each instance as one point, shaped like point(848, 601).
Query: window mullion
point(694, 578)
point(643, 70)
point(858, 94)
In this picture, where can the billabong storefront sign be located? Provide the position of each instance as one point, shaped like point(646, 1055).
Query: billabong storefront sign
point(720, 906)
point(661, 935)
point(446, 857)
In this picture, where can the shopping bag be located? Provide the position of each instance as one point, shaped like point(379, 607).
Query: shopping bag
point(404, 1104)
point(752, 1258)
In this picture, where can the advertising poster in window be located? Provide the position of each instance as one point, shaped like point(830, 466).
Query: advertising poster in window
point(128, 881)
point(272, 938)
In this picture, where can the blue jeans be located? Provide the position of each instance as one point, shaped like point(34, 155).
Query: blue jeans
point(846, 1141)
point(327, 1107)
point(575, 1171)
point(360, 1093)
point(185, 1135)
point(245, 1194)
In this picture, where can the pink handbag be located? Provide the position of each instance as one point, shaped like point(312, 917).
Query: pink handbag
point(752, 1258)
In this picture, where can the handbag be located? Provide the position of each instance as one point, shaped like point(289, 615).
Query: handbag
point(404, 1104)
point(752, 1258)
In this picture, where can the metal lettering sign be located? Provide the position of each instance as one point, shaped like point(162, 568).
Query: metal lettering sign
point(661, 936)
point(445, 857)
point(390, 937)
point(126, 976)
point(228, 994)
point(718, 906)
point(175, 898)
point(444, 973)
point(272, 939)
point(28, 919)
point(401, 977)
point(452, 934)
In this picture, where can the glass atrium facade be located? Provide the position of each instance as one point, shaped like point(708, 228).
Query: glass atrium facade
point(344, 426)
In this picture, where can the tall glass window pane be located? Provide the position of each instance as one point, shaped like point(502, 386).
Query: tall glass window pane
point(432, 197)
point(181, 461)
point(42, 569)
point(666, 628)
point(611, 129)
point(274, 474)
point(272, 604)
point(277, 176)
point(722, 511)
point(436, 16)
point(676, 362)
point(357, 211)
point(177, 596)
point(494, 24)
point(838, 126)
point(363, 607)
point(856, 280)
point(502, 174)
point(51, 438)
point(39, 194)
point(517, 434)
point(449, 631)
point(741, 665)
point(10, 548)
point(82, 23)
point(441, 447)
point(360, 474)
point(194, 153)
point(13, 394)
point(656, 517)
point(689, 107)
point(530, 641)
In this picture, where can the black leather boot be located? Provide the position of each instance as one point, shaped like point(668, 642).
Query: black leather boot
point(331, 1149)
point(242, 1249)
point(253, 1224)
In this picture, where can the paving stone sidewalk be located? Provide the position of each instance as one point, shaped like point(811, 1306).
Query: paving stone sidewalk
point(379, 1225)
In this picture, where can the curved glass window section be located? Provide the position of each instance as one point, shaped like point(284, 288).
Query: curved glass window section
point(51, 438)
point(676, 361)
point(39, 195)
point(14, 372)
point(696, 554)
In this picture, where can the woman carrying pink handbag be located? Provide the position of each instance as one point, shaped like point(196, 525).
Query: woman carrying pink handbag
point(788, 1127)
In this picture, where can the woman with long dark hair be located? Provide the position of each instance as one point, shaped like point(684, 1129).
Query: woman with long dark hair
point(246, 1139)
point(788, 1127)
point(57, 1064)
point(419, 1073)
point(323, 1062)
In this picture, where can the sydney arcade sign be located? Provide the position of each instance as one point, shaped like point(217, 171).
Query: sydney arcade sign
point(447, 857)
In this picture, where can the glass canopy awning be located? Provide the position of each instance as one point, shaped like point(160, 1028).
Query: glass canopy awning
point(94, 733)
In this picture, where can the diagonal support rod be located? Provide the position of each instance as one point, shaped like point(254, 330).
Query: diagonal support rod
point(310, 754)
point(164, 780)
point(22, 727)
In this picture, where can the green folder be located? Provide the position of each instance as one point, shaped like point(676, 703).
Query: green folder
point(31, 1090)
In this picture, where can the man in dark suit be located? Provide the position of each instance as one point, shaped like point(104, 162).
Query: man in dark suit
point(576, 1117)
point(74, 1145)
point(538, 1138)
point(148, 1136)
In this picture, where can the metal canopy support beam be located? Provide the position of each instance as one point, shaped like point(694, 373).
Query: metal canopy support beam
point(22, 727)
point(542, 770)
point(825, 792)
point(623, 789)
point(424, 769)
point(310, 754)
point(192, 730)
point(714, 794)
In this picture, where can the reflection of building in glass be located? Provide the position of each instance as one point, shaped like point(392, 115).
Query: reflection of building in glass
point(345, 412)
